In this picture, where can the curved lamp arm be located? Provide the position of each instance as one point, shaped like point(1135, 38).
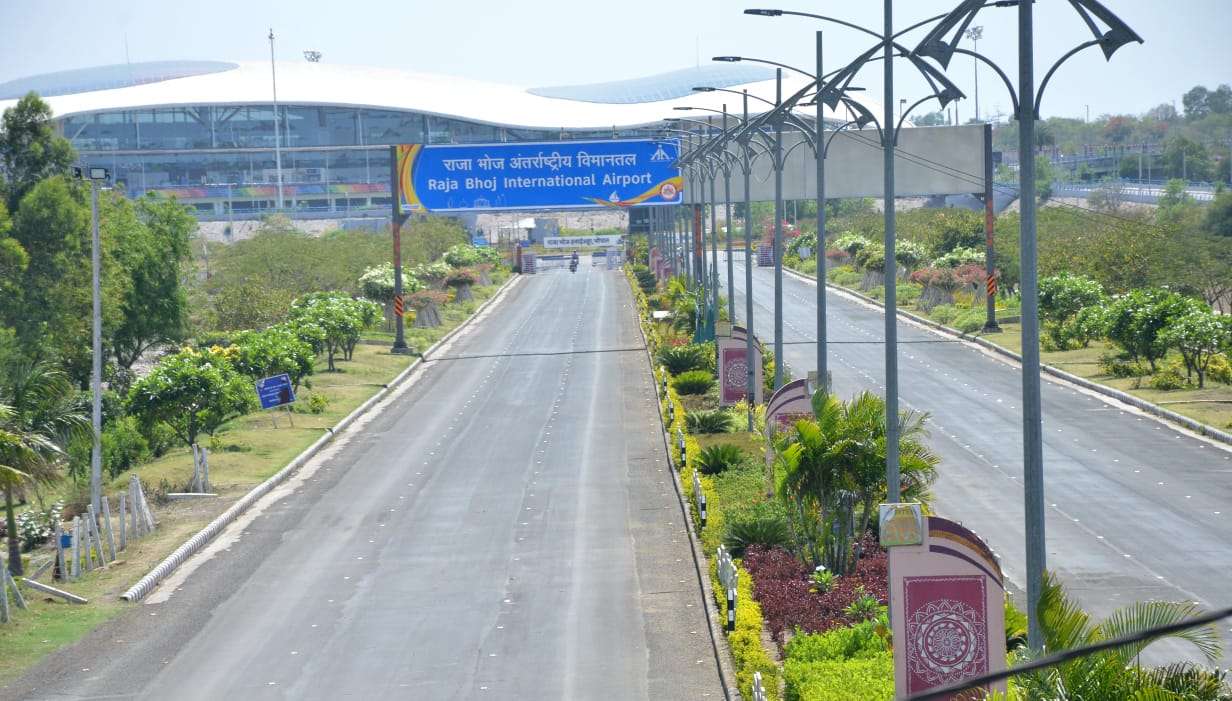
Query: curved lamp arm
point(936, 46)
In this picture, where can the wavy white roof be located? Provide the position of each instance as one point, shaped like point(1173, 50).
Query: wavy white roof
point(625, 104)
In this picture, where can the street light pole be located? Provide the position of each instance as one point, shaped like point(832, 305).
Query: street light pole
point(823, 373)
point(778, 234)
point(277, 138)
point(397, 219)
point(96, 371)
point(731, 291)
point(975, 34)
point(1026, 106)
point(1032, 411)
point(714, 246)
point(95, 176)
point(889, 137)
point(747, 167)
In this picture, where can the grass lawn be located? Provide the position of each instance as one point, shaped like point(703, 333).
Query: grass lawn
point(243, 454)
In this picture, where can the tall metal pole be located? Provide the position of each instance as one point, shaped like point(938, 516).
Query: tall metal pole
point(748, 274)
point(96, 371)
point(397, 219)
point(731, 291)
point(1032, 415)
point(823, 373)
point(714, 243)
point(778, 233)
point(990, 279)
point(277, 138)
point(889, 136)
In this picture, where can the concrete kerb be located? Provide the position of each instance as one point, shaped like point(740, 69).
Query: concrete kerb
point(718, 641)
point(139, 590)
point(1153, 409)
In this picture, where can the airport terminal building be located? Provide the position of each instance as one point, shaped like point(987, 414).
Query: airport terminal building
point(221, 135)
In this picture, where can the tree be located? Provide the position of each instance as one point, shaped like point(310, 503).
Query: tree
point(192, 392)
point(13, 263)
point(341, 318)
point(30, 151)
point(1114, 673)
point(1178, 211)
point(931, 119)
point(1201, 267)
point(1199, 336)
point(155, 307)
point(274, 351)
point(1186, 159)
point(54, 317)
point(249, 305)
point(1045, 174)
point(1163, 112)
point(837, 462)
point(40, 414)
point(1061, 298)
point(1136, 320)
point(1195, 103)
point(377, 284)
point(1218, 219)
point(290, 263)
point(428, 238)
point(1220, 100)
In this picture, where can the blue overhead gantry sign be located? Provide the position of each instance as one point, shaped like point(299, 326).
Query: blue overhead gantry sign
point(541, 175)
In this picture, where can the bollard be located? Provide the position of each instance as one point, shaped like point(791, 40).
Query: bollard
point(731, 610)
point(671, 411)
point(683, 453)
point(701, 510)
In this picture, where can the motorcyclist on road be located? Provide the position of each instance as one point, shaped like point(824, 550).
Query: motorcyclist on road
point(573, 262)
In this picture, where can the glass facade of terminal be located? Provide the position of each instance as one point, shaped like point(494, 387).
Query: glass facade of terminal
point(222, 159)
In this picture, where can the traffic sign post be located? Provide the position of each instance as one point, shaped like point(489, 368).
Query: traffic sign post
point(274, 392)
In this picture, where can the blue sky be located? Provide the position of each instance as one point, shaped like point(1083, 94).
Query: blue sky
point(565, 42)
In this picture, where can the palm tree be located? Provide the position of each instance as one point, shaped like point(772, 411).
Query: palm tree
point(39, 415)
point(837, 461)
point(1112, 673)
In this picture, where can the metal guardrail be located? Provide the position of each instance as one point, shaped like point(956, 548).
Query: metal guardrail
point(1131, 192)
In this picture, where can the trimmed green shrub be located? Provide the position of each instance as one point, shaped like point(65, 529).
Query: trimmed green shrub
point(1116, 366)
point(716, 421)
point(944, 314)
point(694, 382)
point(860, 641)
point(122, 446)
point(867, 679)
point(1219, 370)
point(907, 293)
point(682, 359)
point(718, 458)
point(769, 532)
point(646, 280)
point(970, 320)
point(1169, 379)
point(748, 654)
point(844, 276)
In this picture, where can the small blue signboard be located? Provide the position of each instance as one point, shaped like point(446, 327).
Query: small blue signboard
point(275, 391)
point(540, 175)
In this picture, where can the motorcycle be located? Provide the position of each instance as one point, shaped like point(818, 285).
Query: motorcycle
point(573, 264)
